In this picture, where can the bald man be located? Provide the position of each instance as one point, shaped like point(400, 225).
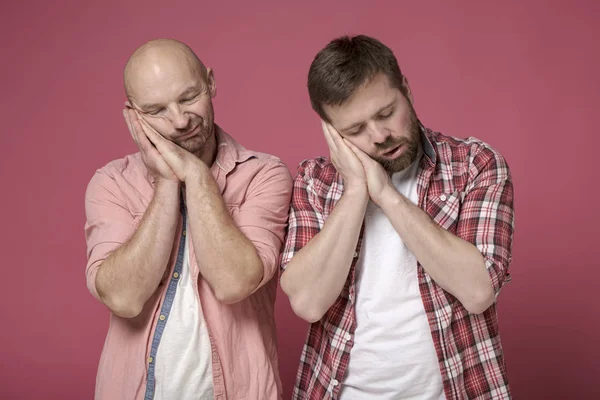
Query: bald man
point(183, 243)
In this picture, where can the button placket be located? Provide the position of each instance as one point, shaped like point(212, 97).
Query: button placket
point(165, 311)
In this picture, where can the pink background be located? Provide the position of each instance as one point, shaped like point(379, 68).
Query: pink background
point(521, 75)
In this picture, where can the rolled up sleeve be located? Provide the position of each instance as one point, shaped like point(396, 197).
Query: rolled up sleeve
point(109, 224)
point(263, 216)
point(487, 214)
point(306, 217)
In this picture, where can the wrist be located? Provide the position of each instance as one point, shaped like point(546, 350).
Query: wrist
point(164, 184)
point(197, 172)
point(166, 191)
point(200, 182)
point(390, 198)
point(356, 191)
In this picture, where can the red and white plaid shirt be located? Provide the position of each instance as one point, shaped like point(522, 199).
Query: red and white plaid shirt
point(466, 187)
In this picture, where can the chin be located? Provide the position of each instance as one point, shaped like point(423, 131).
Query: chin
point(398, 164)
point(197, 143)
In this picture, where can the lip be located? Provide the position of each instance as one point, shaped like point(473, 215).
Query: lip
point(393, 153)
point(191, 133)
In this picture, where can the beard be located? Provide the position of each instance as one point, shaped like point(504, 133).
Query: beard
point(196, 143)
point(412, 145)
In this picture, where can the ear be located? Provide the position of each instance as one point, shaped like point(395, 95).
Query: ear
point(406, 87)
point(212, 84)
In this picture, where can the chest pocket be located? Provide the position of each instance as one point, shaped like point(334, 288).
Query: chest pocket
point(445, 209)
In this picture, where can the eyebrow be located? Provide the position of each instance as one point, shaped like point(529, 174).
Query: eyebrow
point(148, 106)
point(186, 92)
point(379, 110)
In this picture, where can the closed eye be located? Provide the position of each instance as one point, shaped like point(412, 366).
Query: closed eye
point(190, 99)
point(154, 112)
point(386, 114)
point(354, 132)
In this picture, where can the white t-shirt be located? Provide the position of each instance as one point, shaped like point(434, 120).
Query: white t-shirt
point(393, 356)
point(184, 357)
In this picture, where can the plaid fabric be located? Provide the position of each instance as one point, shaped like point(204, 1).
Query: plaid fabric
point(465, 186)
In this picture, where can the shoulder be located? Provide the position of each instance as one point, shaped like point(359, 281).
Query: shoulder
point(320, 168)
point(471, 152)
point(118, 176)
point(318, 177)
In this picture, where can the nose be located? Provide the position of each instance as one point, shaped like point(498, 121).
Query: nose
point(378, 133)
point(179, 118)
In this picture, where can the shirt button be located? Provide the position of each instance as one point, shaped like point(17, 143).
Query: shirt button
point(183, 233)
point(351, 297)
point(443, 197)
point(335, 382)
point(162, 317)
point(176, 275)
point(150, 359)
point(347, 337)
point(355, 254)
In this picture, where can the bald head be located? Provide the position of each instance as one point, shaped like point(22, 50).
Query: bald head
point(172, 91)
point(158, 60)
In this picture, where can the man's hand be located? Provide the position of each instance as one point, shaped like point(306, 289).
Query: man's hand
point(344, 159)
point(378, 180)
point(150, 155)
point(184, 164)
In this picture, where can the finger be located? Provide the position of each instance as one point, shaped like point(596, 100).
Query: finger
point(165, 147)
point(334, 161)
point(144, 142)
point(340, 142)
point(328, 138)
point(139, 133)
point(351, 145)
point(362, 156)
point(152, 138)
point(128, 121)
point(150, 133)
point(335, 136)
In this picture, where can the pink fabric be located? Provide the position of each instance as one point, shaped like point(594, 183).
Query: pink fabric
point(256, 189)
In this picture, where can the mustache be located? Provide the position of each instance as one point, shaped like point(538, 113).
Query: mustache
point(187, 129)
point(390, 143)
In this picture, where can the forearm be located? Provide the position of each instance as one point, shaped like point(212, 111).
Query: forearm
point(315, 276)
point(131, 274)
point(453, 263)
point(227, 259)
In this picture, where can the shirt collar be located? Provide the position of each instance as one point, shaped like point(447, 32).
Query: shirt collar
point(229, 152)
point(428, 149)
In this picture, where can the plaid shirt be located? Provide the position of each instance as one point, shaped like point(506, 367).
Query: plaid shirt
point(465, 186)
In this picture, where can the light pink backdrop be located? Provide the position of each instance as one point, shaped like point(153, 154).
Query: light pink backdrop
point(521, 75)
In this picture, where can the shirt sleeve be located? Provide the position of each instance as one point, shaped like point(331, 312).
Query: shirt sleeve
point(109, 224)
point(487, 214)
point(262, 218)
point(306, 217)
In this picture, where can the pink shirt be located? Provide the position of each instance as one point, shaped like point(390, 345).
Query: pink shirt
point(256, 188)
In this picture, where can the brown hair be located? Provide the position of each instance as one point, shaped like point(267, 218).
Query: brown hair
point(344, 65)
